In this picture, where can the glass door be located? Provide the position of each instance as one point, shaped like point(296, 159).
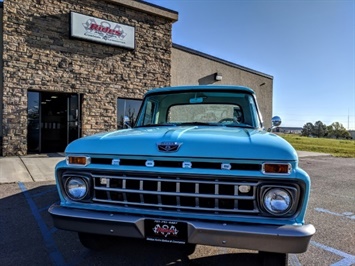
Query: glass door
point(73, 117)
point(53, 121)
point(33, 122)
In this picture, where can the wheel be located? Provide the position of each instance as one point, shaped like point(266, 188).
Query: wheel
point(93, 241)
point(183, 249)
point(274, 259)
point(188, 249)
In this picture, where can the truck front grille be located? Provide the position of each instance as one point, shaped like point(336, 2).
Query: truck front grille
point(198, 194)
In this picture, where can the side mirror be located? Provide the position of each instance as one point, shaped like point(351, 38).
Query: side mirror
point(275, 122)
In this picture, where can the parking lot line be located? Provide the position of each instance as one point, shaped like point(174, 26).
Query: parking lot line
point(54, 254)
point(349, 215)
point(347, 260)
point(293, 259)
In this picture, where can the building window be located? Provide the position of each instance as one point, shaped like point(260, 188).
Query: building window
point(127, 111)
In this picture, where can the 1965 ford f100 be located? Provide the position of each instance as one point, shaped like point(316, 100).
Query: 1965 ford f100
point(197, 167)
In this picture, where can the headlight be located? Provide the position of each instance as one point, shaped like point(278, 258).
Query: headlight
point(76, 188)
point(277, 201)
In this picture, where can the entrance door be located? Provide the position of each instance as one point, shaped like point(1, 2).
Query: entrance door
point(73, 118)
point(53, 121)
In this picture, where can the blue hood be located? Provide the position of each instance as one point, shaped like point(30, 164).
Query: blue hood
point(196, 141)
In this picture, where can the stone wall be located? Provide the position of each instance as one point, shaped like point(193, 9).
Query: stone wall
point(40, 56)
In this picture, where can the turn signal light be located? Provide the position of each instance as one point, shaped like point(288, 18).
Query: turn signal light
point(78, 160)
point(272, 168)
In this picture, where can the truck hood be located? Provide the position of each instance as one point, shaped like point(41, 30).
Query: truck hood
point(196, 142)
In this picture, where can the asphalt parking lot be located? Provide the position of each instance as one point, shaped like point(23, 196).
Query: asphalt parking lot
point(27, 235)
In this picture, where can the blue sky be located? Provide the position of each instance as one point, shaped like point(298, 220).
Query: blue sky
point(308, 46)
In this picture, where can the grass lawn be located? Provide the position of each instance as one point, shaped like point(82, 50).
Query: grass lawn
point(335, 147)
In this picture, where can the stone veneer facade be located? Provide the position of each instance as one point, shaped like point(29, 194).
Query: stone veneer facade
point(38, 55)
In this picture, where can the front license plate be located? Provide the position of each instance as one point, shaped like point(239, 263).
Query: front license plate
point(165, 231)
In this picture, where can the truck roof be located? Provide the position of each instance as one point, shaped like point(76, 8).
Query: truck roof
point(189, 88)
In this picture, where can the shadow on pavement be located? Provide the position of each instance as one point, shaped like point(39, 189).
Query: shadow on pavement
point(29, 238)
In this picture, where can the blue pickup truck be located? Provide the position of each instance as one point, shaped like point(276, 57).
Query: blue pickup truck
point(197, 167)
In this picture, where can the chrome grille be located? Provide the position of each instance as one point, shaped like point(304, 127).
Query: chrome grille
point(180, 193)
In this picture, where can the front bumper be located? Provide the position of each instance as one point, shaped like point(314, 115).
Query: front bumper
point(269, 238)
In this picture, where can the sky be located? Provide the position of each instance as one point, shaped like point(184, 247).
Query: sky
point(308, 46)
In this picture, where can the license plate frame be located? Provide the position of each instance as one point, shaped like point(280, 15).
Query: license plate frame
point(166, 231)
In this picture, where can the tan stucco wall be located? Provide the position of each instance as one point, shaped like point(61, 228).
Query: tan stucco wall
point(193, 68)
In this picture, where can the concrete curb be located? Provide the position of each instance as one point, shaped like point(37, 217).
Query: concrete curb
point(303, 154)
point(32, 168)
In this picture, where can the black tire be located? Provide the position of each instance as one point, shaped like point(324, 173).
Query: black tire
point(188, 249)
point(273, 259)
point(183, 249)
point(94, 242)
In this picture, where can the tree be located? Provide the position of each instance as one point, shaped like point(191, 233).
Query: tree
point(307, 129)
point(319, 129)
point(337, 130)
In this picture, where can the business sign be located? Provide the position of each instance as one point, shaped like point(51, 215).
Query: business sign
point(103, 31)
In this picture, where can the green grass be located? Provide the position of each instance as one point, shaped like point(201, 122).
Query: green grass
point(335, 147)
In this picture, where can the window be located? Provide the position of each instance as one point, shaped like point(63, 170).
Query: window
point(33, 122)
point(212, 108)
point(149, 113)
point(210, 113)
point(127, 110)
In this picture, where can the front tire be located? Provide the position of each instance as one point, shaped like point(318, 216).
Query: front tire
point(274, 259)
point(188, 249)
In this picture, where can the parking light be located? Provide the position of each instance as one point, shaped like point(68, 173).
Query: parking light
point(276, 168)
point(78, 160)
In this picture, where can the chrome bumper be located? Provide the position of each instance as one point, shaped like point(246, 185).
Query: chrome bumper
point(270, 238)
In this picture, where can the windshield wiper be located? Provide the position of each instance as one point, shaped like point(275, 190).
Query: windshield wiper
point(197, 124)
point(238, 125)
point(159, 125)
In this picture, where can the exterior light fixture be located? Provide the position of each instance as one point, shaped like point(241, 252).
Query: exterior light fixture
point(218, 76)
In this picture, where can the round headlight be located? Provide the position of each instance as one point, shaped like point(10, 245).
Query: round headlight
point(277, 201)
point(76, 188)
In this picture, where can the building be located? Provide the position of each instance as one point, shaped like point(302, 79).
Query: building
point(289, 130)
point(75, 68)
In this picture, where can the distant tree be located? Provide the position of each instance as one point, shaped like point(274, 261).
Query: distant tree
point(307, 129)
point(329, 131)
point(337, 130)
point(319, 129)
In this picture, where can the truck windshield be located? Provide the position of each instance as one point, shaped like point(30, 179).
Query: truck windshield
point(235, 109)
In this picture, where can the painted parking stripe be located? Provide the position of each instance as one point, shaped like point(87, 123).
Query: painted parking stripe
point(293, 260)
point(54, 254)
point(348, 215)
point(40, 194)
point(347, 260)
